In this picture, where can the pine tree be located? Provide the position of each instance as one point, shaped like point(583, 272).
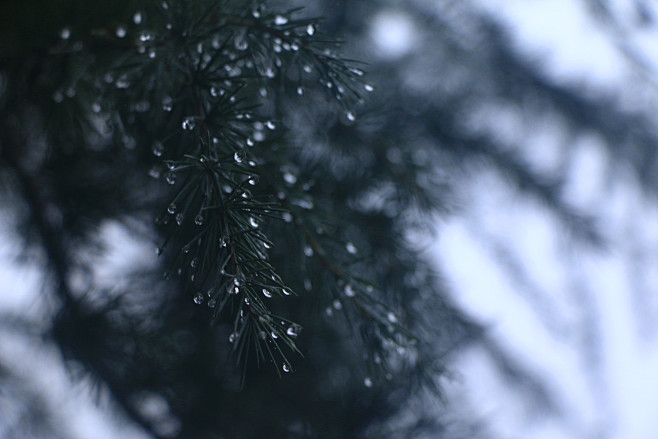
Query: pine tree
point(286, 300)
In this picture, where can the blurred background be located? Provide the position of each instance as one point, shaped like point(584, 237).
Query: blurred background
point(537, 119)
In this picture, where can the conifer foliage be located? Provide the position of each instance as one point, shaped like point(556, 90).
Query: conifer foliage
point(278, 248)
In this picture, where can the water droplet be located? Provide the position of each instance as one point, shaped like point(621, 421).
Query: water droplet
point(232, 337)
point(188, 123)
point(65, 33)
point(294, 330)
point(137, 18)
point(223, 241)
point(158, 251)
point(350, 116)
point(270, 73)
point(308, 286)
point(186, 248)
point(287, 217)
point(267, 293)
point(171, 208)
point(280, 20)
point(170, 178)
point(308, 251)
point(329, 311)
point(273, 335)
point(165, 5)
point(349, 291)
point(239, 156)
point(145, 36)
point(158, 149)
point(214, 91)
point(368, 87)
point(270, 125)
point(253, 222)
point(286, 367)
point(212, 303)
point(240, 41)
point(253, 180)
point(300, 91)
point(310, 29)
point(194, 263)
point(289, 177)
point(286, 292)
point(198, 220)
point(391, 317)
point(167, 103)
point(154, 172)
point(337, 304)
point(351, 248)
point(367, 382)
point(58, 96)
point(267, 245)
point(198, 298)
point(179, 218)
point(307, 68)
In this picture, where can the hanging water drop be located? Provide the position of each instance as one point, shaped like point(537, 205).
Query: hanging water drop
point(310, 29)
point(270, 125)
point(186, 248)
point(171, 208)
point(392, 318)
point(198, 298)
point(179, 218)
point(285, 367)
point(238, 156)
point(170, 178)
point(349, 291)
point(188, 123)
point(286, 292)
point(158, 149)
point(65, 33)
point(280, 20)
point(350, 116)
point(307, 68)
point(253, 222)
point(308, 251)
point(294, 330)
point(214, 91)
point(337, 304)
point(273, 335)
point(167, 103)
point(240, 41)
point(158, 251)
point(232, 337)
point(289, 177)
point(267, 293)
point(351, 248)
point(367, 382)
point(137, 18)
point(194, 263)
point(198, 220)
point(368, 87)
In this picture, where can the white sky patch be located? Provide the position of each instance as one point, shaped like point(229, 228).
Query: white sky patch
point(393, 33)
point(563, 36)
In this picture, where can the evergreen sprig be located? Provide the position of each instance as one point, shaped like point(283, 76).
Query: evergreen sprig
point(207, 70)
